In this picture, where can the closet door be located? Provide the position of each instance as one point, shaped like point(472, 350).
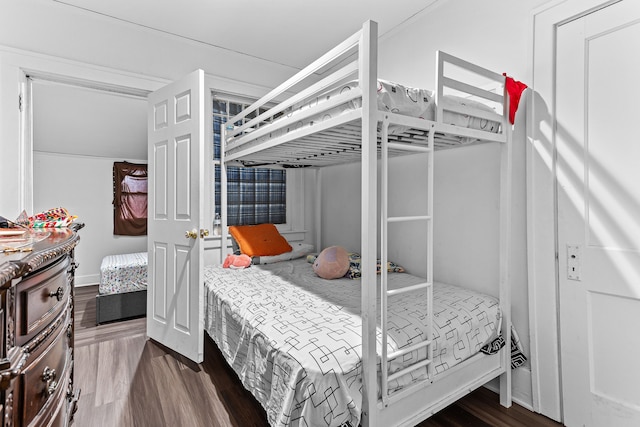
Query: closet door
point(177, 154)
point(599, 215)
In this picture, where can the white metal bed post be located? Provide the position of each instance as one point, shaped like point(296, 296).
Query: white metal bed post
point(438, 93)
point(506, 173)
point(223, 192)
point(368, 76)
point(318, 213)
point(430, 187)
point(384, 244)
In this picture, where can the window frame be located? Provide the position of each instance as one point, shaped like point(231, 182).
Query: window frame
point(294, 178)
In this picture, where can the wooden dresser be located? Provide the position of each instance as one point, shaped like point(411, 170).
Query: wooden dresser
point(36, 331)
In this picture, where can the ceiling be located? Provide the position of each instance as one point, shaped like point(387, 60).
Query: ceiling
point(288, 32)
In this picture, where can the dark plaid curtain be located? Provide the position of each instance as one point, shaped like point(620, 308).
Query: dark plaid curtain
point(129, 199)
point(254, 196)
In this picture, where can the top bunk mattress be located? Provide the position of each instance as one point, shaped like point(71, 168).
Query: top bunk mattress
point(408, 101)
point(304, 117)
point(294, 339)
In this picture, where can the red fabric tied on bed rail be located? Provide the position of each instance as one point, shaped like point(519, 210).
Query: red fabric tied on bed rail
point(514, 89)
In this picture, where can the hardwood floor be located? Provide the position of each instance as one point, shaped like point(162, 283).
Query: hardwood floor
point(127, 380)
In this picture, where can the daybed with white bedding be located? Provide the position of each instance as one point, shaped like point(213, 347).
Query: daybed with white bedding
point(122, 292)
point(323, 125)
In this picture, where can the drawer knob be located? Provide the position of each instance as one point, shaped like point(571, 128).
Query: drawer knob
point(59, 293)
point(48, 374)
point(52, 387)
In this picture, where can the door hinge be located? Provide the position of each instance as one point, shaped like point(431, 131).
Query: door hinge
point(20, 102)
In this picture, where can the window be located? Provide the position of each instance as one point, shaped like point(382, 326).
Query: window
point(129, 199)
point(254, 195)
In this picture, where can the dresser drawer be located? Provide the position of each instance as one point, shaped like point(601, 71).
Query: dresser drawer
point(40, 298)
point(46, 375)
point(56, 416)
point(56, 412)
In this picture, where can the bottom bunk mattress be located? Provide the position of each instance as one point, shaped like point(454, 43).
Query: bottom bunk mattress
point(123, 273)
point(294, 339)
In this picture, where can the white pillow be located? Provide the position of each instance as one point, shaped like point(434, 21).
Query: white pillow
point(299, 250)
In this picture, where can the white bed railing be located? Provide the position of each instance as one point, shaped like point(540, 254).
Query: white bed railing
point(362, 134)
point(444, 61)
point(267, 133)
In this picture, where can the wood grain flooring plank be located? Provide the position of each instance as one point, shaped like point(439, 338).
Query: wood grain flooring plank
point(113, 414)
point(132, 349)
point(84, 413)
point(454, 416)
point(112, 373)
point(166, 379)
point(86, 361)
point(144, 398)
point(232, 394)
point(202, 397)
point(486, 407)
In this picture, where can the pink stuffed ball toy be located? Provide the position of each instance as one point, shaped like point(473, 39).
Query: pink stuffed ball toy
point(332, 263)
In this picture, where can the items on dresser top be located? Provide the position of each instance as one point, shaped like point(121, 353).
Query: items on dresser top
point(20, 239)
point(21, 234)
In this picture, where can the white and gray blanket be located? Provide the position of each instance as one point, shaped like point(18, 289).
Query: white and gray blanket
point(295, 339)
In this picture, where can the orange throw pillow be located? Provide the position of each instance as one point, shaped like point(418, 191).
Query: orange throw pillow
point(259, 240)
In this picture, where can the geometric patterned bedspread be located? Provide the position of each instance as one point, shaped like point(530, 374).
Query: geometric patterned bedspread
point(123, 273)
point(294, 339)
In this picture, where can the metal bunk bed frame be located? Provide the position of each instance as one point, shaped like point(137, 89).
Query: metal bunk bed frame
point(362, 135)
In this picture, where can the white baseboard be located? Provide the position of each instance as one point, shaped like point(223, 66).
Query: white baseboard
point(520, 387)
point(88, 279)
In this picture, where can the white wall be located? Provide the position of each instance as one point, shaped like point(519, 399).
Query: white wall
point(77, 135)
point(492, 33)
point(91, 122)
point(83, 185)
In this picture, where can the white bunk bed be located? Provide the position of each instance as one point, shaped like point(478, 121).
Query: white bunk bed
point(287, 135)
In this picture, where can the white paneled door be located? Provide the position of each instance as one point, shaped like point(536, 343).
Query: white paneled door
point(598, 113)
point(177, 155)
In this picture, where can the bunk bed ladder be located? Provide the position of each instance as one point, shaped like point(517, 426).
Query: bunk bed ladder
point(386, 378)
